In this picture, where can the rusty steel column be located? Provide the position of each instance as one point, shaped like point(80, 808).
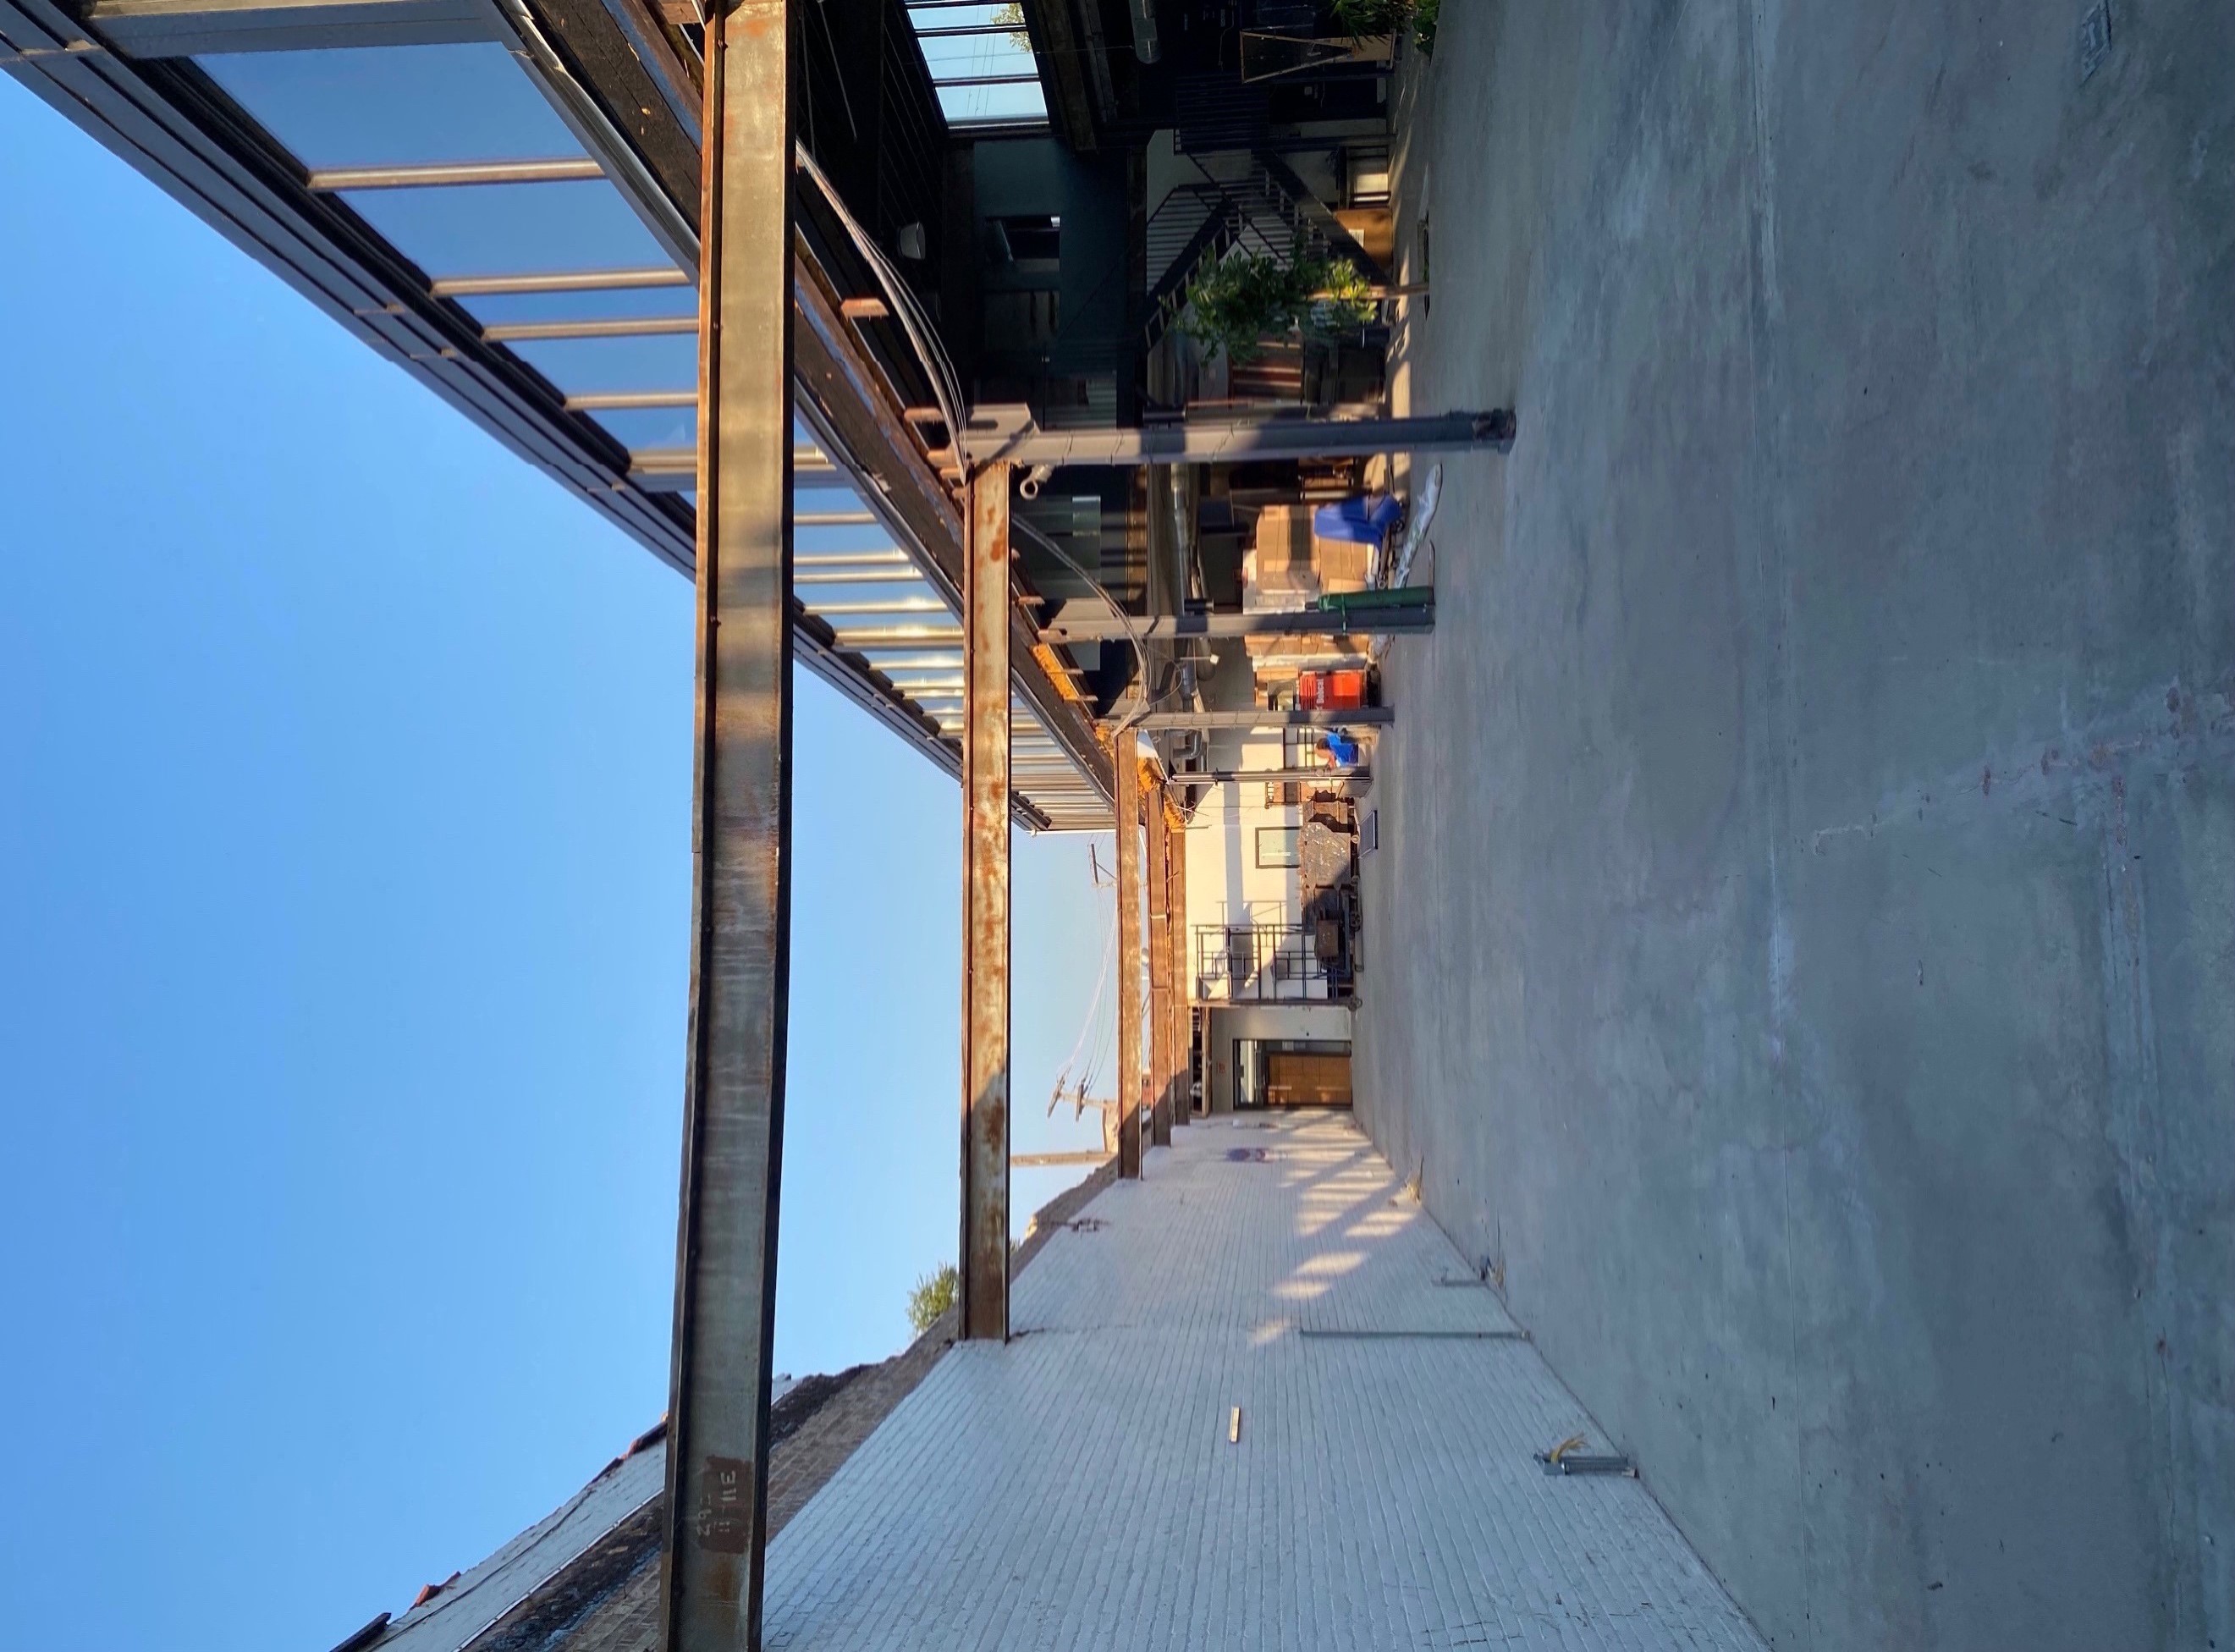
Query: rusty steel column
point(1160, 970)
point(1127, 774)
point(716, 1507)
point(1182, 982)
point(983, 1309)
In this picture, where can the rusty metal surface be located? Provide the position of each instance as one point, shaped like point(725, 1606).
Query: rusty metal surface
point(1160, 973)
point(1127, 773)
point(1182, 1015)
point(733, 1125)
point(844, 397)
point(983, 1268)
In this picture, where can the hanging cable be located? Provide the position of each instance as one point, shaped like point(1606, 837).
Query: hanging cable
point(946, 383)
point(1093, 1022)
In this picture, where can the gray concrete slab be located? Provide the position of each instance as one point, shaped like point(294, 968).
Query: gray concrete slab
point(1802, 948)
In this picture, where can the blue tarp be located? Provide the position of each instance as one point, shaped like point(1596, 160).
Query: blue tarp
point(1364, 519)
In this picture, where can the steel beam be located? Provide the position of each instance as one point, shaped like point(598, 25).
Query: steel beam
point(1364, 716)
point(477, 286)
point(627, 99)
point(848, 398)
point(1182, 1015)
point(1009, 433)
point(1271, 776)
point(457, 174)
point(983, 1276)
point(1160, 972)
point(717, 1506)
point(144, 29)
point(1126, 808)
point(1105, 626)
point(508, 333)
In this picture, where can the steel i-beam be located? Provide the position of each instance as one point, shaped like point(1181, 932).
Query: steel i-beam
point(984, 1273)
point(1358, 717)
point(1160, 972)
point(717, 1508)
point(1368, 615)
point(1182, 1014)
point(1008, 432)
point(1126, 811)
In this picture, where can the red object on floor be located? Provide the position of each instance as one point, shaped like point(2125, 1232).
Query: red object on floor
point(1331, 691)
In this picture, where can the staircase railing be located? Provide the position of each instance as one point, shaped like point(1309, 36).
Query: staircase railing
point(1269, 210)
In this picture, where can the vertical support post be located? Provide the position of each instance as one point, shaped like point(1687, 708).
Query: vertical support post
point(717, 1508)
point(1126, 771)
point(1160, 972)
point(983, 1309)
point(1183, 983)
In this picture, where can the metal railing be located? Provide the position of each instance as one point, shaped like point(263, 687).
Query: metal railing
point(1265, 963)
point(1270, 211)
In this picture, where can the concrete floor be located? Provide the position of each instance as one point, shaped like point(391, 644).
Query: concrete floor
point(1802, 946)
point(1084, 1485)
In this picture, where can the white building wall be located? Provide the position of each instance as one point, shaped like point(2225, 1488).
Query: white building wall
point(1225, 885)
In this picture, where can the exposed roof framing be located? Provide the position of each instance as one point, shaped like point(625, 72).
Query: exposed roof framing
point(623, 83)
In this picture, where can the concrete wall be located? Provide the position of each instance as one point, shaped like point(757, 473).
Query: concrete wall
point(1802, 941)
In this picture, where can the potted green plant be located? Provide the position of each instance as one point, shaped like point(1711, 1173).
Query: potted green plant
point(1367, 19)
point(1235, 303)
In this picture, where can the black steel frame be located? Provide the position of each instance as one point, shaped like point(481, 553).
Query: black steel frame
point(1264, 964)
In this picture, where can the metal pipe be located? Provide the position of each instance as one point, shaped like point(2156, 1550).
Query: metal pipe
point(1003, 433)
point(1009, 432)
point(880, 605)
point(882, 635)
point(810, 466)
point(479, 286)
point(1270, 776)
point(1310, 622)
point(1362, 717)
point(510, 332)
point(610, 401)
point(926, 662)
point(452, 174)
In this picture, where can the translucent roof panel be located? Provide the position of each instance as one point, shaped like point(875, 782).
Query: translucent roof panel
point(498, 229)
point(663, 362)
point(606, 303)
point(981, 61)
point(395, 106)
point(647, 430)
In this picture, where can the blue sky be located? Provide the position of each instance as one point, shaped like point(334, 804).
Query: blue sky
point(344, 785)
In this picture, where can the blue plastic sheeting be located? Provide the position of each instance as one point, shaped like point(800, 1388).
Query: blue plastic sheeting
point(1362, 520)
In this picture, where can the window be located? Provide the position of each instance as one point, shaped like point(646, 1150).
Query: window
point(1034, 242)
point(1276, 847)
